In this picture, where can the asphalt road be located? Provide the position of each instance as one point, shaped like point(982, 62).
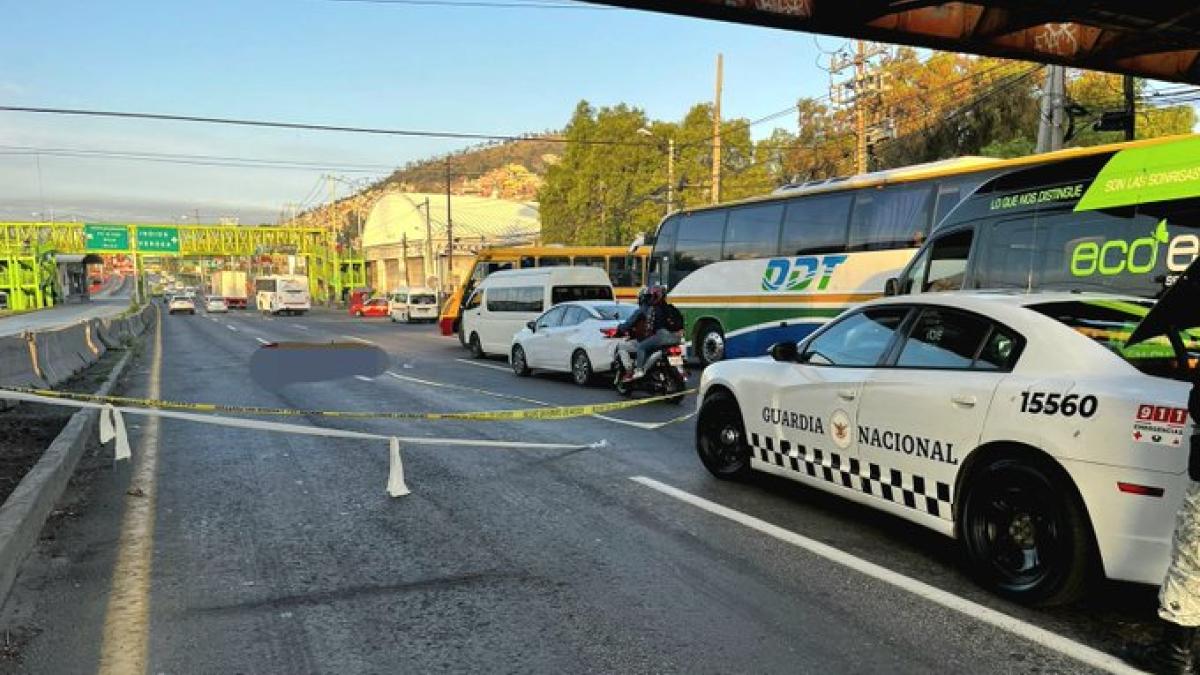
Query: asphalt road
point(111, 300)
point(282, 554)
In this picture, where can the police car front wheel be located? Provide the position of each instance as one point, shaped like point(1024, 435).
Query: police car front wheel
point(1024, 532)
point(721, 437)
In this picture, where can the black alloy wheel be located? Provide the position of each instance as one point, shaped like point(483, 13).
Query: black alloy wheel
point(518, 362)
point(721, 438)
point(1024, 533)
point(581, 368)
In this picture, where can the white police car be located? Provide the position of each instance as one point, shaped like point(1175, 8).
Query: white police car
point(1023, 425)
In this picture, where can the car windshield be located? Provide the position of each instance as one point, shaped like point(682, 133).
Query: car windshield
point(1109, 323)
point(614, 311)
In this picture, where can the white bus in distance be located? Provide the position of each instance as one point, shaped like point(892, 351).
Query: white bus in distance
point(505, 301)
point(282, 294)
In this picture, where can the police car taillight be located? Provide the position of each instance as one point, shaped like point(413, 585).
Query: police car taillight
point(1145, 490)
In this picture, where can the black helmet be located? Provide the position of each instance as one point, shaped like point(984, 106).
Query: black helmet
point(643, 297)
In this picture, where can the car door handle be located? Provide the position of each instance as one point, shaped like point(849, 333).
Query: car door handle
point(964, 400)
point(847, 394)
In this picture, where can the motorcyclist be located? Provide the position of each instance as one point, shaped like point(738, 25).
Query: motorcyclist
point(663, 322)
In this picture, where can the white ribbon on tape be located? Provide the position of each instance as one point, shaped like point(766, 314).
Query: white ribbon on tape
point(396, 486)
point(112, 425)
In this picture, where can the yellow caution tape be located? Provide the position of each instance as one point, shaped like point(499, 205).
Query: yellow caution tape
point(556, 413)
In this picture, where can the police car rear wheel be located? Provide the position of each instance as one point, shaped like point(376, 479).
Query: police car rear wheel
point(721, 438)
point(1024, 535)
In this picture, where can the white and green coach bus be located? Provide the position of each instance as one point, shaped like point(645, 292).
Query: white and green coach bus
point(751, 273)
point(1122, 218)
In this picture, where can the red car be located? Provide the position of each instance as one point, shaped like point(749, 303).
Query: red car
point(372, 307)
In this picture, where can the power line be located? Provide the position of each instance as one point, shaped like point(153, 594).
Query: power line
point(79, 112)
point(206, 160)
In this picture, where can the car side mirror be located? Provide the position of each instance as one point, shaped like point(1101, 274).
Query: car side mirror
point(531, 325)
point(784, 351)
point(891, 287)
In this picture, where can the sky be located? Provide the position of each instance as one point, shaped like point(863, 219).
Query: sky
point(368, 64)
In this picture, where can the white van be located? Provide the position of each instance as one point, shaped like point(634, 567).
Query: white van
point(505, 301)
point(413, 304)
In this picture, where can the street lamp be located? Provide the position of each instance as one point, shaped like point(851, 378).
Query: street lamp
point(670, 167)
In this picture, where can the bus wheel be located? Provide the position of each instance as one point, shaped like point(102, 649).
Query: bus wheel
point(1024, 535)
point(709, 343)
point(475, 346)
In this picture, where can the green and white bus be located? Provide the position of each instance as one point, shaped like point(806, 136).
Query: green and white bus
point(751, 273)
point(1122, 218)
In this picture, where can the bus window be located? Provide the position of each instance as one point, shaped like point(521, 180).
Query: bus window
point(699, 242)
point(948, 196)
point(890, 218)
point(589, 261)
point(554, 261)
point(626, 271)
point(528, 261)
point(815, 225)
point(943, 264)
point(753, 232)
point(664, 247)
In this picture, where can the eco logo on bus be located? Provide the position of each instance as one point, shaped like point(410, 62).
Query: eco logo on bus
point(1139, 256)
point(798, 274)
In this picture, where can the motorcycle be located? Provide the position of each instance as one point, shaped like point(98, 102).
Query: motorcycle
point(664, 373)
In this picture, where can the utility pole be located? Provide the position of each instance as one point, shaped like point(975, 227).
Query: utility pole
point(428, 245)
point(449, 232)
point(404, 256)
point(1050, 126)
point(670, 175)
point(862, 92)
point(716, 155)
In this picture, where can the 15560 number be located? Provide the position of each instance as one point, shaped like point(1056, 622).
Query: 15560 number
point(1069, 405)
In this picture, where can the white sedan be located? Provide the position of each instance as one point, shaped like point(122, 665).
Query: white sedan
point(215, 304)
point(181, 305)
point(571, 337)
point(1022, 425)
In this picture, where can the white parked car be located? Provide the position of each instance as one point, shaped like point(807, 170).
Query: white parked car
point(181, 305)
point(413, 304)
point(1022, 425)
point(215, 304)
point(574, 337)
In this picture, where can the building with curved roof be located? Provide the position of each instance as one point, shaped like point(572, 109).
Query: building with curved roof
point(405, 242)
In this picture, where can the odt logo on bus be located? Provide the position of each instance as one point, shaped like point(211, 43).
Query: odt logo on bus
point(798, 274)
point(1139, 256)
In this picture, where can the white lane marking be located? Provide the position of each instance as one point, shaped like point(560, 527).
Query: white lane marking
point(231, 328)
point(1040, 636)
point(364, 378)
point(300, 326)
point(482, 365)
point(648, 426)
point(262, 341)
point(358, 339)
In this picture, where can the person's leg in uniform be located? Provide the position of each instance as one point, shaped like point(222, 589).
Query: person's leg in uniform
point(1179, 597)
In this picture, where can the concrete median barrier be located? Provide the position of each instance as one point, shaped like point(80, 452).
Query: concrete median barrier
point(60, 353)
point(24, 512)
point(17, 367)
point(92, 336)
